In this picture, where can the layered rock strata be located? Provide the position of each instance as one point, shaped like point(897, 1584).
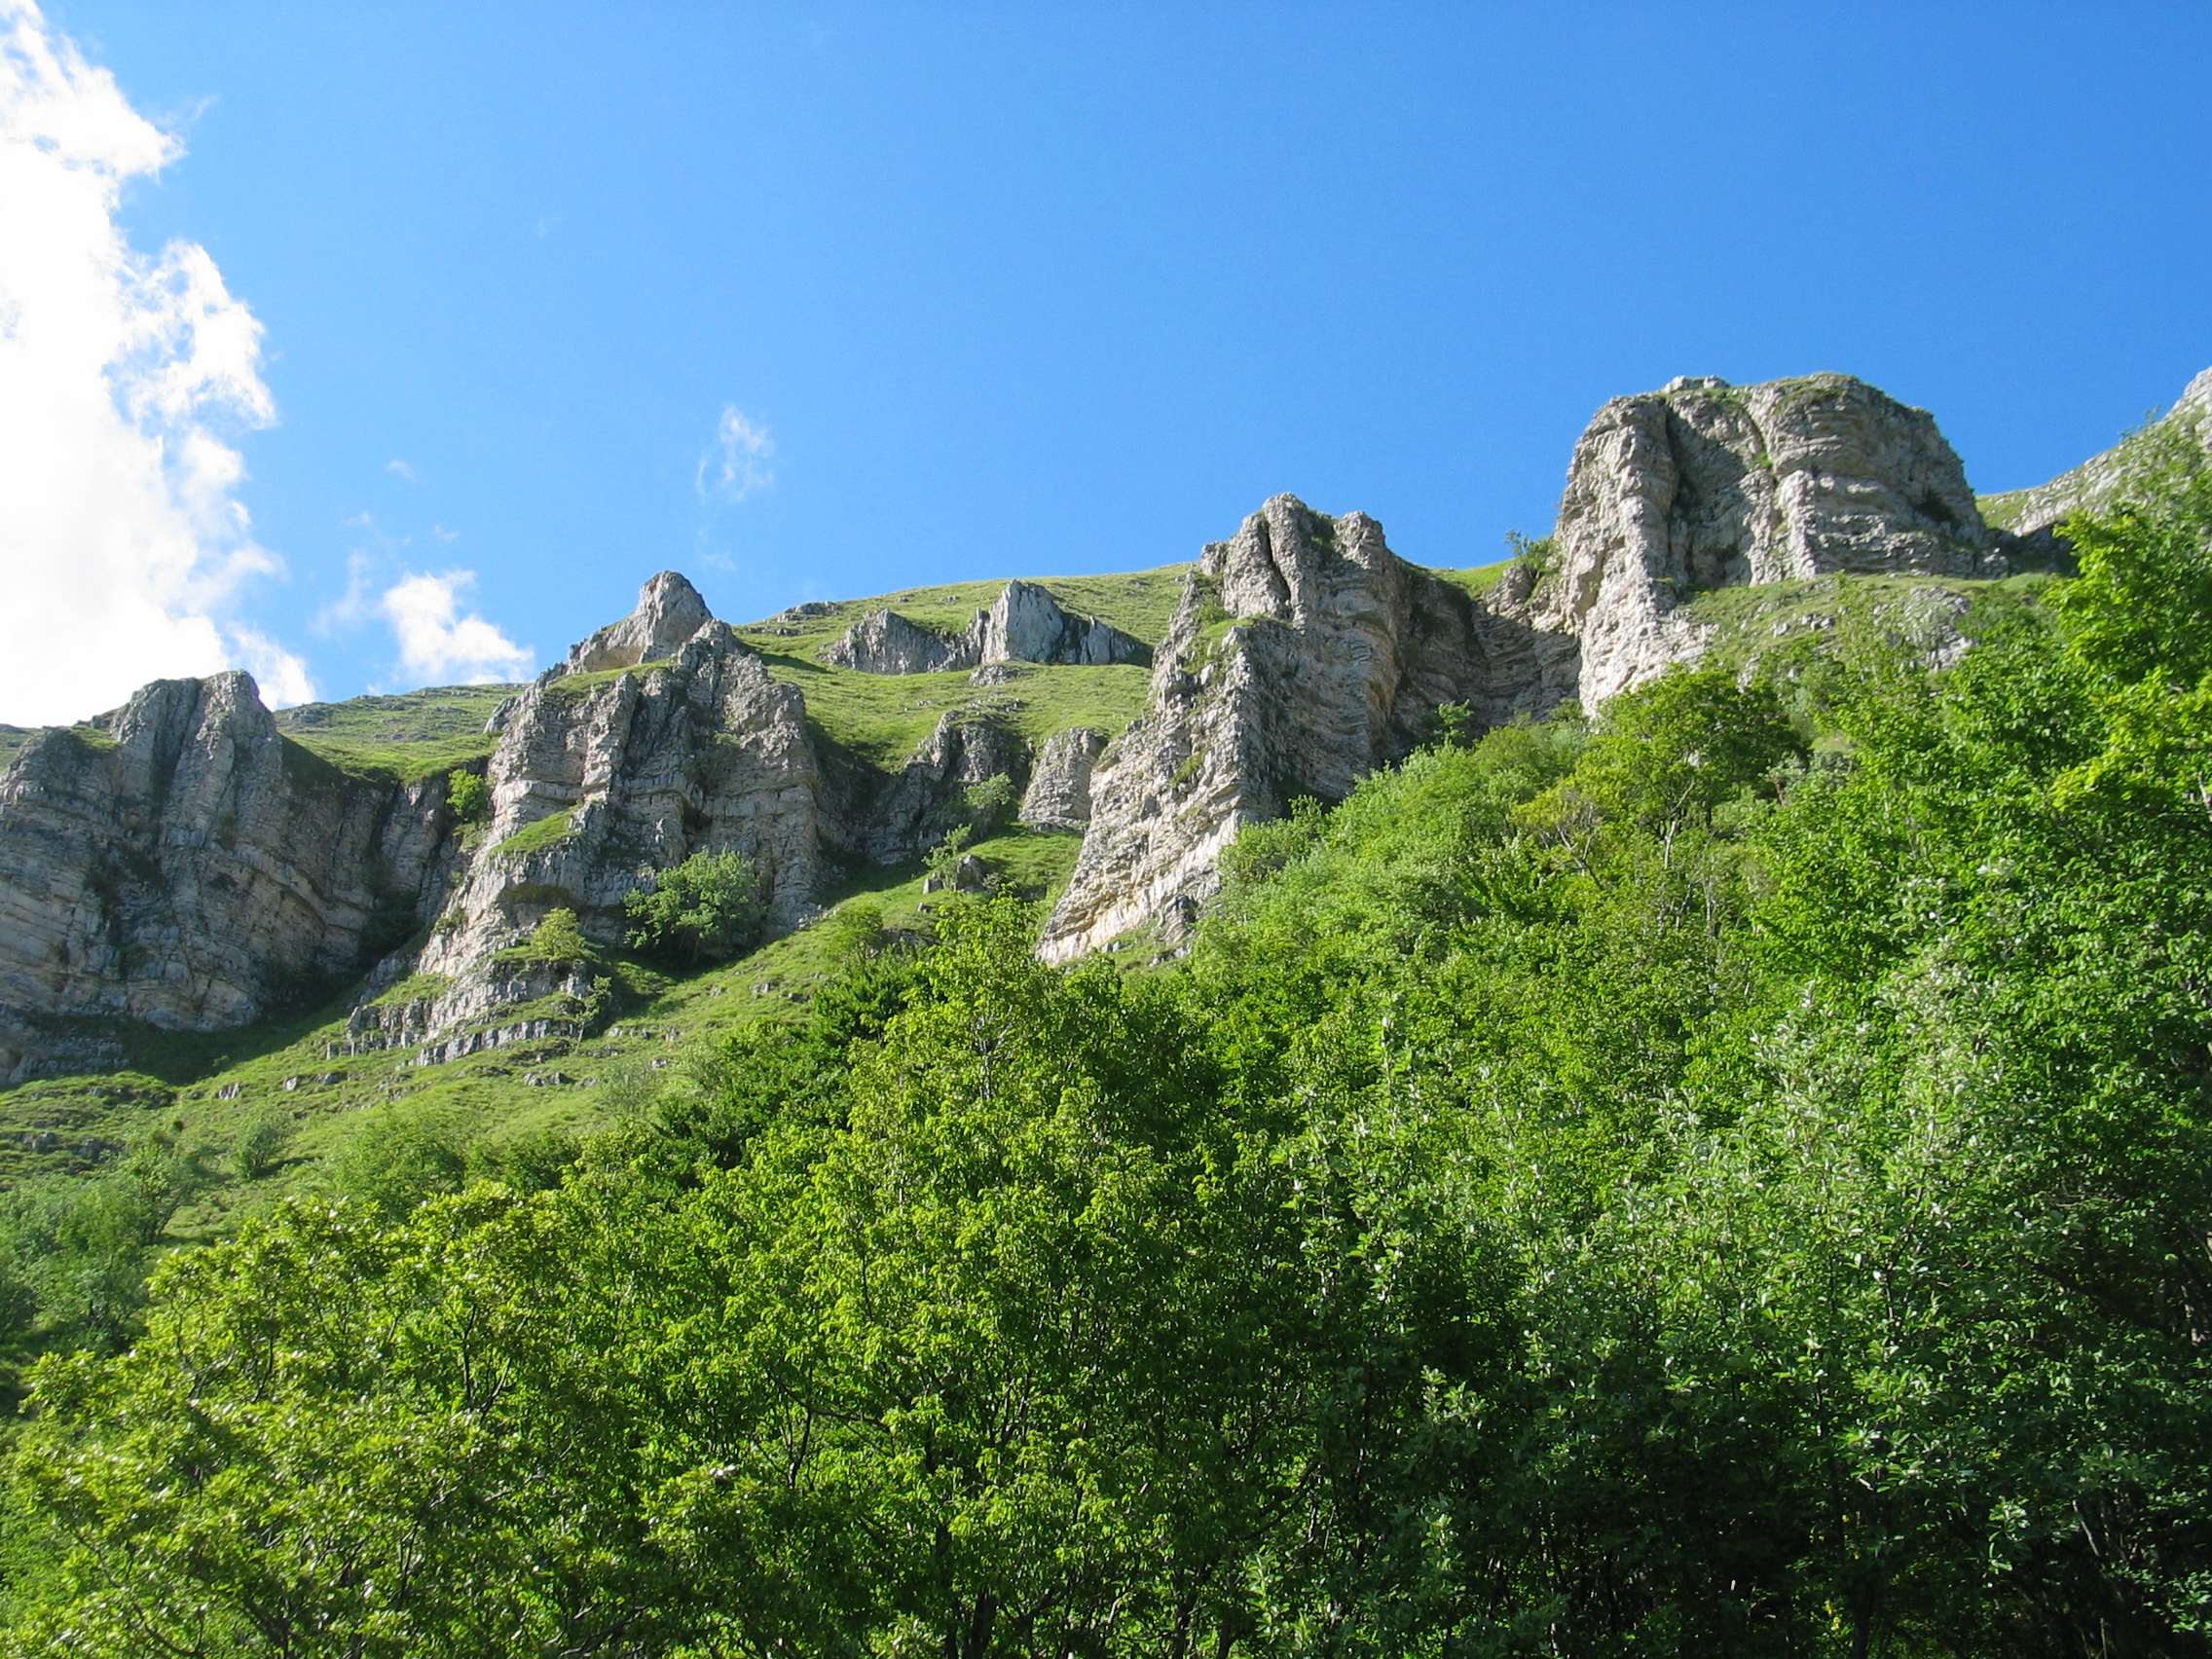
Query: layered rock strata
point(1059, 796)
point(594, 786)
point(183, 864)
point(1025, 623)
point(1303, 655)
point(1704, 485)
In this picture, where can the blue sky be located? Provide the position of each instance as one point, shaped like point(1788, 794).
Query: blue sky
point(831, 301)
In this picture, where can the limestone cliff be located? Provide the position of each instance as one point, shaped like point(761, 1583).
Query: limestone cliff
point(183, 864)
point(1303, 654)
point(1025, 623)
point(1704, 485)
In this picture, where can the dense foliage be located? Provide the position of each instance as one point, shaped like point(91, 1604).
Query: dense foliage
point(1733, 1177)
point(706, 909)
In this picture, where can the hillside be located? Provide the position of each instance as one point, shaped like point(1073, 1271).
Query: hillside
point(1646, 1097)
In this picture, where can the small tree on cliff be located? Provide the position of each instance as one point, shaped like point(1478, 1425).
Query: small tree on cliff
point(707, 909)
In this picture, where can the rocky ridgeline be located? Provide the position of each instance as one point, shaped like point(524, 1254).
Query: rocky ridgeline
point(1025, 624)
point(180, 864)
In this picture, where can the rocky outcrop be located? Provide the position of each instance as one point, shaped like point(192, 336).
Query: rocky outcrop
point(1303, 654)
point(1059, 796)
point(891, 820)
point(183, 864)
point(669, 613)
point(593, 785)
point(1025, 623)
point(1704, 485)
point(883, 642)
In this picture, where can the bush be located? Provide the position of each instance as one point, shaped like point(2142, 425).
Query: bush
point(401, 1156)
point(259, 1145)
point(707, 909)
point(558, 939)
point(469, 796)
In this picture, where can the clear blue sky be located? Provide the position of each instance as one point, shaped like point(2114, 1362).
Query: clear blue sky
point(1051, 289)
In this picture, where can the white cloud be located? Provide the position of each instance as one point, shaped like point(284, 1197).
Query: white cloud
point(123, 546)
point(401, 469)
point(739, 460)
point(438, 645)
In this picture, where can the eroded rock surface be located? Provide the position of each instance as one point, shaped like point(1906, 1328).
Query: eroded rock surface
point(1303, 654)
point(1704, 485)
point(1025, 623)
point(591, 785)
point(1059, 796)
point(883, 642)
point(188, 867)
point(669, 613)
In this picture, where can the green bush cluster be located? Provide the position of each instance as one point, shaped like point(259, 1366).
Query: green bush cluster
point(706, 909)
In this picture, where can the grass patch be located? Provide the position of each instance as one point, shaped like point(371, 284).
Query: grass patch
point(881, 717)
point(550, 830)
point(1477, 580)
point(1748, 622)
point(406, 737)
point(1139, 603)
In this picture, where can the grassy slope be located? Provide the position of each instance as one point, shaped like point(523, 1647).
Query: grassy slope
point(409, 736)
point(185, 1078)
point(1749, 621)
point(882, 717)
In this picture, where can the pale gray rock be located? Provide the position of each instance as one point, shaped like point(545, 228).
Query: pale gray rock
point(899, 817)
point(669, 613)
point(1025, 623)
point(1704, 485)
point(1303, 654)
point(883, 642)
point(181, 864)
point(1059, 796)
point(702, 753)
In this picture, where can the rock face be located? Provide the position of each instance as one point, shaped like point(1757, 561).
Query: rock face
point(669, 613)
point(1303, 654)
point(890, 820)
point(180, 862)
point(1704, 485)
point(191, 868)
point(883, 642)
point(592, 785)
point(1023, 624)
point(1059, 796)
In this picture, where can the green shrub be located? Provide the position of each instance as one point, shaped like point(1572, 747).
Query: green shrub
point(469, 796)
point(706, 909)
point(558, 939)
point(259, 1145)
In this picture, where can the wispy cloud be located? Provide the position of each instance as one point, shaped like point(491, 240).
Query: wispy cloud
point(739, 460)
point(122, 376)
point(400, 469)
point(440, 645)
